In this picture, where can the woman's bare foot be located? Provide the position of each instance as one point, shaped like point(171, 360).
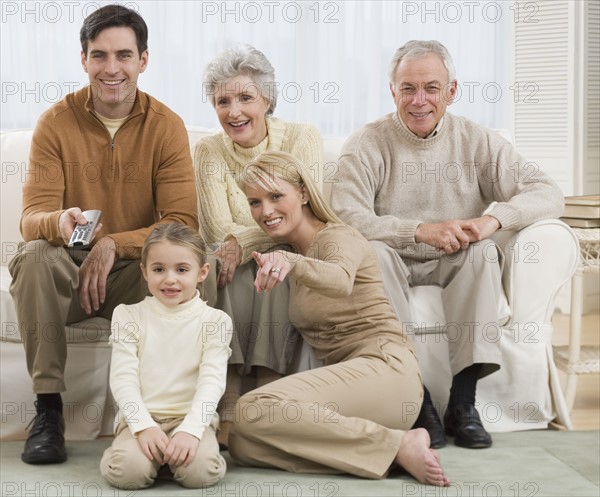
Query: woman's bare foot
point(419, 460)
point(223, 434)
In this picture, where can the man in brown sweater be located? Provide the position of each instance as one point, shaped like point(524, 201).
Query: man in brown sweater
point(109, 147)
point(429, 189)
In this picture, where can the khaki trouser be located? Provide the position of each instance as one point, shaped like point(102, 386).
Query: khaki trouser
point(125, 466)
point(472, 285)
point(44, 286)
point(209, 289)
point(263, 335)
point(349, 417)
point(264, 341)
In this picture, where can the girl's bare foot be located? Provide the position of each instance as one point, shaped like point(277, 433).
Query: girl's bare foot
point(419, 460)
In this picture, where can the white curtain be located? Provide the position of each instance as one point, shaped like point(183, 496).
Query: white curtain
point(331, 57)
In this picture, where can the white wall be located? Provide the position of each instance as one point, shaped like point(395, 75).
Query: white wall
point(331, 57)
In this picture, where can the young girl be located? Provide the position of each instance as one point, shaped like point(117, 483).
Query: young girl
point(168, 370)
point(354, 415)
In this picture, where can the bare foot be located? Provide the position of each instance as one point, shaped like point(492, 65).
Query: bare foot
point(419, 460)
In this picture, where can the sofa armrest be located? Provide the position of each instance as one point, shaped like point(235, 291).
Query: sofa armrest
point(539, 259)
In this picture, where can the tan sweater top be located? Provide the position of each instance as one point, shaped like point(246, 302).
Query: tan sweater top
point(141, 176)
point(337, 298)
point(218, 161)
point(389, 181)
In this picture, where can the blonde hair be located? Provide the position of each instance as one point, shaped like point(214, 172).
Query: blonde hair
point(178, 234)
point(267, 166)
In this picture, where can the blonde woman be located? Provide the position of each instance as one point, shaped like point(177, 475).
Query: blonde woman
point(354, 414)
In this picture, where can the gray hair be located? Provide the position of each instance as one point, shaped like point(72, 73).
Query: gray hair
point(415, 49)
point(243, 60)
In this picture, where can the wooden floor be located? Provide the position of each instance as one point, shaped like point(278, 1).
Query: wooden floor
point(586, 411)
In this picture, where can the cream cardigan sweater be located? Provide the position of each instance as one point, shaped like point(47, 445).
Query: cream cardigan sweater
point(218, 160)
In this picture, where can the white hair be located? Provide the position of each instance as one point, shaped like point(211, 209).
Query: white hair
point(242, 60)
point(416, 49)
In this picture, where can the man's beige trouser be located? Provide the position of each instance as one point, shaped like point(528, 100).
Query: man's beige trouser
point(44, 286)
point(471, 280)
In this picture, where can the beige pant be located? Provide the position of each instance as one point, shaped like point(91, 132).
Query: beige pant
point(349, 417)
point(125, 466)
point(264, 341)
point(263, 335)
point(44, 286)
point(472, 285)
point(208, 289)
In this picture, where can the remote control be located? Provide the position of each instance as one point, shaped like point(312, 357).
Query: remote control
point(83, 233)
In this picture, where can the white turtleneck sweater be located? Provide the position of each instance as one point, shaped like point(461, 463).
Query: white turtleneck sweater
point(169, 362)
point(222, 207)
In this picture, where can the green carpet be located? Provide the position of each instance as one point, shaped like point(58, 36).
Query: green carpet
point(523, 464)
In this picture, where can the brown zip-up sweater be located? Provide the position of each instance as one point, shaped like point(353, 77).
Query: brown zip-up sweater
point(142, 176)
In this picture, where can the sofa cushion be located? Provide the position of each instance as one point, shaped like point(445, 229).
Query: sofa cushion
point(195, 133)
point(427, 310)
point(15, 155)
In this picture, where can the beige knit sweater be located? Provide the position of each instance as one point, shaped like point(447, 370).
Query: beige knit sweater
point(218, 160)
point(390, 181)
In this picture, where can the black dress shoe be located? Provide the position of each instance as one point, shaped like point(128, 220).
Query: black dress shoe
point(46, 440)
point(463, 423)
point(429, 419)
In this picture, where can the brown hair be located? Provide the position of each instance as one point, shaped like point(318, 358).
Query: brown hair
point(111, 16)
point(176, 233)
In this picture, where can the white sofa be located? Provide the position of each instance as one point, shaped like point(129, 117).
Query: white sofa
point(524, 394)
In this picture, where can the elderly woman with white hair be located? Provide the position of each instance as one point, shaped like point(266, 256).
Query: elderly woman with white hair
point(241, 85)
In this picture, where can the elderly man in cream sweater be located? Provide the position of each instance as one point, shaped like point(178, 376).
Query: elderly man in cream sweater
point(417, 183)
